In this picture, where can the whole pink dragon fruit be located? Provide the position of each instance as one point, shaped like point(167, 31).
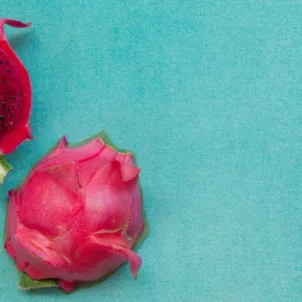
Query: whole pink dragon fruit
point(77, 215)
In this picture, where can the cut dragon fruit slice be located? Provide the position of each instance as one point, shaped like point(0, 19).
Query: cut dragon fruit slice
point(15, 94)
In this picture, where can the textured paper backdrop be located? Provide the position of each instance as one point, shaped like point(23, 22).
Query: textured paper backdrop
point(208, 93)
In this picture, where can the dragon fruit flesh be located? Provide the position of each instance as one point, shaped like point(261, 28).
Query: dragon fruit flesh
point(77, 215)
point(15, 94)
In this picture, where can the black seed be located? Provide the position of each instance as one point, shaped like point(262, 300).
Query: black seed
point(9, 70)
point(7, 62)
point(1, 62)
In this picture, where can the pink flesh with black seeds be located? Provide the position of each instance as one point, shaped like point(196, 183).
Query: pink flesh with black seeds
point(15, 94)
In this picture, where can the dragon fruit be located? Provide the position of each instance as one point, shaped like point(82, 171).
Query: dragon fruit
point(15, 94)
point(77, 216)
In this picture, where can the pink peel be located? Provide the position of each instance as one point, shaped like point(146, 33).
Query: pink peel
point(12, 23)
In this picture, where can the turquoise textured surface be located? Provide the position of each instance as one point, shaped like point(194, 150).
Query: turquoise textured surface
point(208, 94)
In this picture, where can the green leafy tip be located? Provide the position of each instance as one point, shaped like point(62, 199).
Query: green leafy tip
point(25, 282)
point(4, 168)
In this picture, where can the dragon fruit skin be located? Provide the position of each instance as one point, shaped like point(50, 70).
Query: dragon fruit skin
point(77, 215)
point(15, 94)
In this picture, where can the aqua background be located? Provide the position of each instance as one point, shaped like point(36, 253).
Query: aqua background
point(208, 94)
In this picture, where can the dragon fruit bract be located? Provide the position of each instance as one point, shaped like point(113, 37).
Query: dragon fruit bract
point(15, 94)
point(77, 215)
